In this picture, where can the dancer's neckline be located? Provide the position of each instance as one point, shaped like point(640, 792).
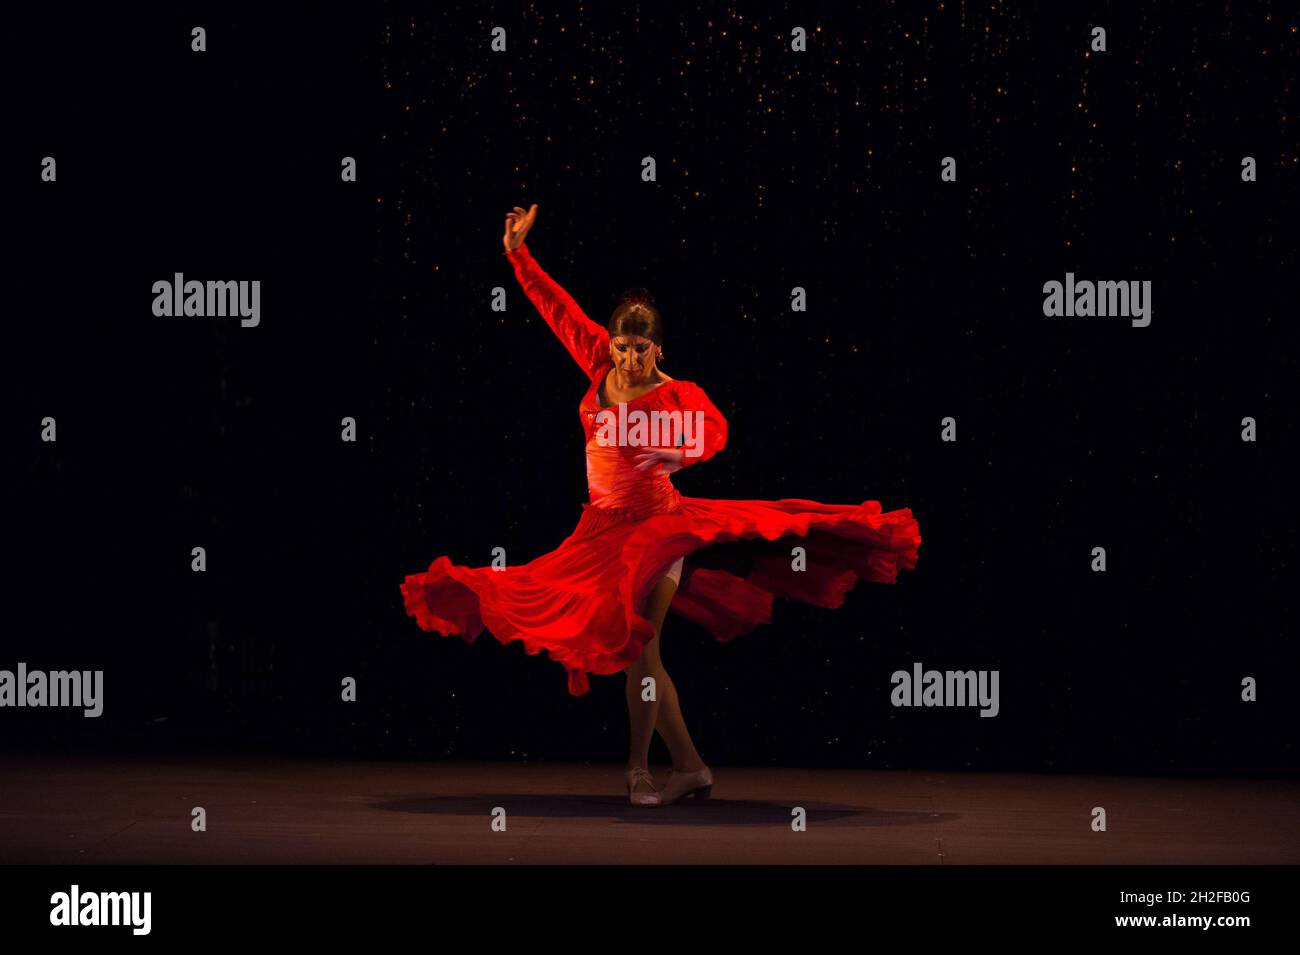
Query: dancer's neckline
point(600, 387)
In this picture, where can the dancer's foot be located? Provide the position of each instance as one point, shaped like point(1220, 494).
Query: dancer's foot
point(680, 785)
point(641, 789)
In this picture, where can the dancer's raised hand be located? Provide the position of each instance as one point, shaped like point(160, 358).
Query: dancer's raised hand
point(517, 225)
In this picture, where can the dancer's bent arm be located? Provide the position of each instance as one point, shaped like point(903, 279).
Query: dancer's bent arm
point(708, 432)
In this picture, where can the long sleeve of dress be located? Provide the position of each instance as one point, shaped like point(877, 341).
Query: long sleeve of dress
point(586, 341)
point(708, 428)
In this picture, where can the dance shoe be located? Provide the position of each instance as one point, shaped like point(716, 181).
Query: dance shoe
point(680, 785)
point(639, 775)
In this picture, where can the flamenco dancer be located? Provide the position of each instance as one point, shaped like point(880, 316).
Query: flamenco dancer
point(597, 603)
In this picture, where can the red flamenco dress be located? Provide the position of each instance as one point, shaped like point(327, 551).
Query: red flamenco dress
point(581, 602)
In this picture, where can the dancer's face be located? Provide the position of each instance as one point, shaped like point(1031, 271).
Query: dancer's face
point(634, 356)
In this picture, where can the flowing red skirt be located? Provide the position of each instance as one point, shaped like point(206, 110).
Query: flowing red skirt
point(582, 602)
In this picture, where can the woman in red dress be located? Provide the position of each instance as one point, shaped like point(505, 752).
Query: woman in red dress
point(597, 603)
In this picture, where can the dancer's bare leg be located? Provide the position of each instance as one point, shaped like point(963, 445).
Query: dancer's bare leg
point(642, 714)
point(664, 712)
point(672, 729)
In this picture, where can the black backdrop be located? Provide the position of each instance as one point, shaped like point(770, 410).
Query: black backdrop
point(775, 170)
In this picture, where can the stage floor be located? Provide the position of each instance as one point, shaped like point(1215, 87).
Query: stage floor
point(100, 810)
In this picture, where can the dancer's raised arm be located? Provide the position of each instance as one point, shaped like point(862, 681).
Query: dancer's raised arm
point(586, 341)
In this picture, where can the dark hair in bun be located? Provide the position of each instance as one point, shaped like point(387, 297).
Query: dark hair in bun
point(636, 314)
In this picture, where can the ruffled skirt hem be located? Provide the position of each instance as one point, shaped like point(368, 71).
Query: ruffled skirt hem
point(582, 603)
